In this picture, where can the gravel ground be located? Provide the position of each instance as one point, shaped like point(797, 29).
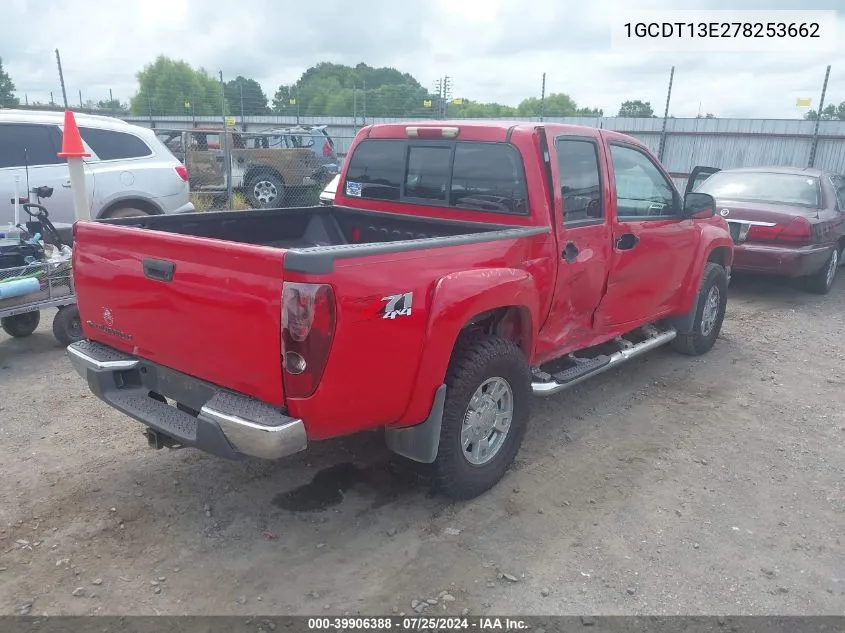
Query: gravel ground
point(668, 486)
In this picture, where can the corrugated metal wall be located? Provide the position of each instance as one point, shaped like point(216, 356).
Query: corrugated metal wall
point(720, 143)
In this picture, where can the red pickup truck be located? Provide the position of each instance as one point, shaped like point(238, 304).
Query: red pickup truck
point(463, 267)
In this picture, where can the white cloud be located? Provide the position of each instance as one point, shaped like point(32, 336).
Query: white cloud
point(495, 50)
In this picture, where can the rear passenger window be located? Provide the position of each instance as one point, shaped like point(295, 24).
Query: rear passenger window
point(580, 184)
point(488, 177)
point(465, 175)
point(111, 145)
point(29, 144)
point(376, 170)
point(839, 186)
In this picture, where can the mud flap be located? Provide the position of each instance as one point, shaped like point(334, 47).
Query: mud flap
point(419, 442)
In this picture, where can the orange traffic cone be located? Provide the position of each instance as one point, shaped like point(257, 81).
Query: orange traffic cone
point(72, 146)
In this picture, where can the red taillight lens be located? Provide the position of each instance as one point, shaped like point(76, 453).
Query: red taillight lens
point(308, 323)
point(798, 231)
point(758, 233)
point(327, 149)
point(182, 171)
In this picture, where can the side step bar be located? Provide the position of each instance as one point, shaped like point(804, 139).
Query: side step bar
point(571, 377)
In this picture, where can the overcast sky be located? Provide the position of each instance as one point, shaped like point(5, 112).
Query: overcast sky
point(495, 50)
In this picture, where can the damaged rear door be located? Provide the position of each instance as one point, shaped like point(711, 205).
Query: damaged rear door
point(575, 163)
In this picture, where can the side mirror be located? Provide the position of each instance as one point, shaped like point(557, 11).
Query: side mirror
point(698, 206)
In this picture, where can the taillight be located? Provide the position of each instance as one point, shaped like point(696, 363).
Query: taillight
point(763, 233)
point(308, 322)
point(327, 149)
point(182, 171)
point(798, 231)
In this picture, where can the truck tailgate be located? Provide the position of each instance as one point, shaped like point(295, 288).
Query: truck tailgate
point(207, 308)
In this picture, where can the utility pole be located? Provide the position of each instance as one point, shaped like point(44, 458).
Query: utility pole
point(665, 116)
point(443, 89)
point(61, 77)
point(818, 120)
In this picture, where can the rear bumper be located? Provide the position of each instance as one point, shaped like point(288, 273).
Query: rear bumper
point(209, 418)
point(779, 260)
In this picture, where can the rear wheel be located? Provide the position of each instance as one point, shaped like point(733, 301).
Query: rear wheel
point(709, 313)
point(821, 282)
point(124, 212)
point(21, 325)
point(67, 326)
point(266, 192)
point(488, 401)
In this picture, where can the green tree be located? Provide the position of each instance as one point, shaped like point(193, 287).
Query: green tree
point(282, 98)
point(557, 104)
point(114, 106)
point(339, 90)
point(245, 96)
point(7, 89)
point(636, 108)
point(173, 87)
point(831, 112)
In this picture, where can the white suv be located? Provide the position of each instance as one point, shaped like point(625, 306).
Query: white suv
point(130, 172)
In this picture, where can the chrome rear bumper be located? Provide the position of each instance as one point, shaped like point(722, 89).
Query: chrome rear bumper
point(207, 417)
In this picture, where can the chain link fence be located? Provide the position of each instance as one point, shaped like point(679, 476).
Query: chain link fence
point(247, 148)
point(232, 169)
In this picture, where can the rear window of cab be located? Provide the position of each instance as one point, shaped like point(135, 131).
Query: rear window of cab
point(470, 175)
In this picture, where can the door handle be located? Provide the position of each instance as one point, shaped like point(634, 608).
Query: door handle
point(570, 253)
point(627, 241)
point(159, 270)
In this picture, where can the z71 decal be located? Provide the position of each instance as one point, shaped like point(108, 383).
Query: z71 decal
point(396, 305)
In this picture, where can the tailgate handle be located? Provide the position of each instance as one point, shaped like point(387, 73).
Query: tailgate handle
point(159, 270)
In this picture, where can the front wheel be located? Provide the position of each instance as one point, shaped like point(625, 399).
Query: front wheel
point(709, 313)
point(821, 282)
point(21, 325)
point(488, 403)
point(67, 326)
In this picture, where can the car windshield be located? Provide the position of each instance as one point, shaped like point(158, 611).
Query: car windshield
point(769, 187)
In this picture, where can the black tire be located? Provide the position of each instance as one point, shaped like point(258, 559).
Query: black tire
point(67, 326)
point(21, 325)
point(124, 212)
point(260, 187)
point(821, 282)
point(476, 359)
point(701, 339)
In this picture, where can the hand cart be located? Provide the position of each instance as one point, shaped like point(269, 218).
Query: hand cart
point(20, 315)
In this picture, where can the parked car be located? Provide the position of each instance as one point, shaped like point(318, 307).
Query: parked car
point(786, 221)
point(130, 172)
point(313, 137)
point(465, 266)
point(328, 193)
point(270, 174)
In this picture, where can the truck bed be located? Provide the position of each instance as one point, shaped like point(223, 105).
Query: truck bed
point(312, 228)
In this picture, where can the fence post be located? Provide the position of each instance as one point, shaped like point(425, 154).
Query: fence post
point(665, 116)
point(227, 151)
point(818, 121)
point(543, 99)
